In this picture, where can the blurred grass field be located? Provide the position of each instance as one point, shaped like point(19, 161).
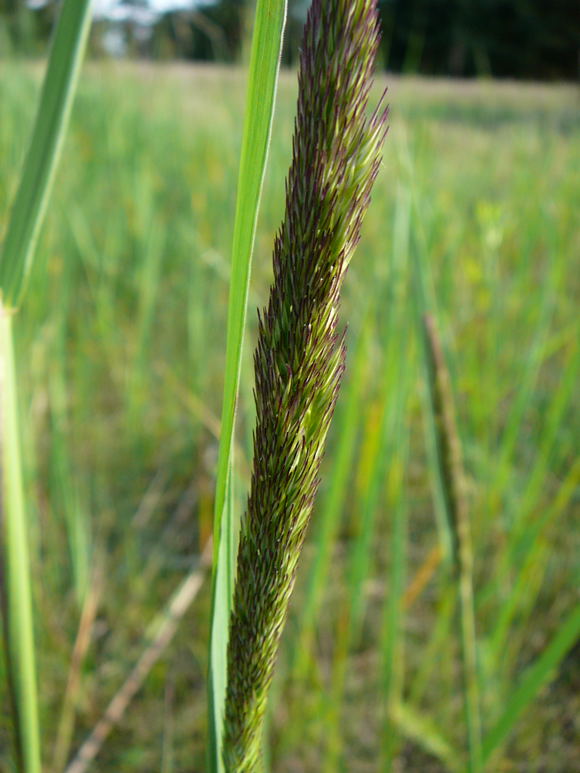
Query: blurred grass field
point(121, 351)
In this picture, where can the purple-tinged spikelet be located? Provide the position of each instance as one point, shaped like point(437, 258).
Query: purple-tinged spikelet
point(299, 357)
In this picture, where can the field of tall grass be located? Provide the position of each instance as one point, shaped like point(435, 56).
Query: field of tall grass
point(120, 352)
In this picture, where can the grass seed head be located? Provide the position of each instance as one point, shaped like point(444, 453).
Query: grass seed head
point(299, 358)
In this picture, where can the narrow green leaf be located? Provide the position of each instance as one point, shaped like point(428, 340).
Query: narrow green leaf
point(44, 150)
point(260, 98)
point(423, 732)
point(529, 548)
point(537, 675)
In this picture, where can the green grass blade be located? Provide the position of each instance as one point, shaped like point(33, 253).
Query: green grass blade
point(533, 680)
point(421, 730)
point(546, 446)
point(530, 546)
point(263, 77)
point(261, 92)
point(44, 150)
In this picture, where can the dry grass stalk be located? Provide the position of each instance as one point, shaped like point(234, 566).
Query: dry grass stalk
point(165, 628)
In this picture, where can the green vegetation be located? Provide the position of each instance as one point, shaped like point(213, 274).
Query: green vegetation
point(120, 351)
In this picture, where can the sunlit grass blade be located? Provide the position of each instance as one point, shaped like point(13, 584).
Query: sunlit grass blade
point(536, 676)
point(44, 150)
point(261, 92)
point(392, 637)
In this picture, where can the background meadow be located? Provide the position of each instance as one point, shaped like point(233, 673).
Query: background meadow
point(121, 351)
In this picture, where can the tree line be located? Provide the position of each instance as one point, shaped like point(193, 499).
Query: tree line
point(464, 38)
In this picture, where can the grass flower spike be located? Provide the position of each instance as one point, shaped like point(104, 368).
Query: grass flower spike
point(300, 353)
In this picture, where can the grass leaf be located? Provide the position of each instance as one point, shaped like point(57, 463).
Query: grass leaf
point(537, 675)
point(425, 734)
point(263, 78)
point(44, 150)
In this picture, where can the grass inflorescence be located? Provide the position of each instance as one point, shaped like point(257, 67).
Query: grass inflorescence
point(300, 352)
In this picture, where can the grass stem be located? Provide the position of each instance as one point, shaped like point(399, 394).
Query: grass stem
point(15, 585)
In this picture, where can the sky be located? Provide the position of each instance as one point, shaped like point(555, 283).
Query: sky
point(105, 7)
